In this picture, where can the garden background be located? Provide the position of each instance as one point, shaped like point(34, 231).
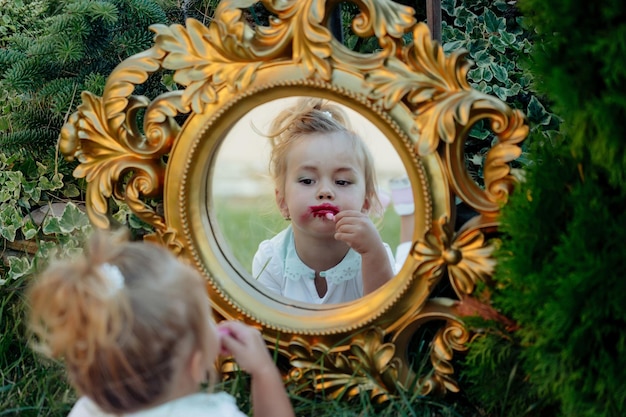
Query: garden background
point(561, 272)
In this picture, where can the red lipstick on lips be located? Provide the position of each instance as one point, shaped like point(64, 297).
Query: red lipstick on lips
point(324, 210)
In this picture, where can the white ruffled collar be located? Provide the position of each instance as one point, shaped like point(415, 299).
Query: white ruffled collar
point(295, 269)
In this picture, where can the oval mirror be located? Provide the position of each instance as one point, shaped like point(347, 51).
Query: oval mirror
point(197, 169)
point(189, 164)
point(242, 193)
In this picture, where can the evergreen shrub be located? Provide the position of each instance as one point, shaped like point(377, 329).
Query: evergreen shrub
point(73, 47)
point(562, 258)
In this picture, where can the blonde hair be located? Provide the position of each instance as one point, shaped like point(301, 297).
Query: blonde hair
point(314, 116)
point(125, 317)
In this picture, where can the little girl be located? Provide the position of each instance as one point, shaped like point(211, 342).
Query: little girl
point(325, 184)
point(133, 326)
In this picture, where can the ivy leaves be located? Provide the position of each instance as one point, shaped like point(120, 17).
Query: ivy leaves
point(495, 47)
point(498, 44)
point(17, 195)
point(23, 188)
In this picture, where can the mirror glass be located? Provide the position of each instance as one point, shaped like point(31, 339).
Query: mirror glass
point(242, 192)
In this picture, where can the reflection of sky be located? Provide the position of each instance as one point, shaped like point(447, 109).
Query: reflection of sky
point(242, 164)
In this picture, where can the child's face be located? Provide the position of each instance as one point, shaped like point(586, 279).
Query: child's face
point(324, 176)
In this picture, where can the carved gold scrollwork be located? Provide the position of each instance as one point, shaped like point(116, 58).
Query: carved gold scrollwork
point(431, 85)
point(202, 63)
point(435, 88)
point(416, 95)
point(387, 21)
point(169, 239)
point(452, 337)
point(365, 364)
point(107, 151)
point(510, 129)
point(465, 256)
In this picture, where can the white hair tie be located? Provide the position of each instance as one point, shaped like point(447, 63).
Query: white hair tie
point(113, 276)
point(328, 114)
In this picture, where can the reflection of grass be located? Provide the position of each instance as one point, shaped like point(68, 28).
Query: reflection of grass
point(244, 223)
point(390, 228)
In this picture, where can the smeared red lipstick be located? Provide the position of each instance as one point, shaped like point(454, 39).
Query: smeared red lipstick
point(325, 210)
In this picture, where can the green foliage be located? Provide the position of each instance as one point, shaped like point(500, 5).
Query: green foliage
point(31, 386)
point(75, 46)
point(23, 189)
point(349, 11)
point(493, 378)
point(203, 10)
point(581, 70)
point(18, 16)
point(563, 249)
point(561, 285)
point(497, 43)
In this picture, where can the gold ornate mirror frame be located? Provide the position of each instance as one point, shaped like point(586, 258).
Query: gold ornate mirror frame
point(133, 149)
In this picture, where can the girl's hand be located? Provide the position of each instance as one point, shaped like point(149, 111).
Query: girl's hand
point(358, 231)
point(246, 345)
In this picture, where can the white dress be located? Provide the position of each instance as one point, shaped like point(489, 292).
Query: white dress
point(196, 405)
point(278, 268)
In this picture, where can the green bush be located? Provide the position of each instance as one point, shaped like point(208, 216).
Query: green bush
point(73, 46)
point(563, 253)
point(580, 67)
